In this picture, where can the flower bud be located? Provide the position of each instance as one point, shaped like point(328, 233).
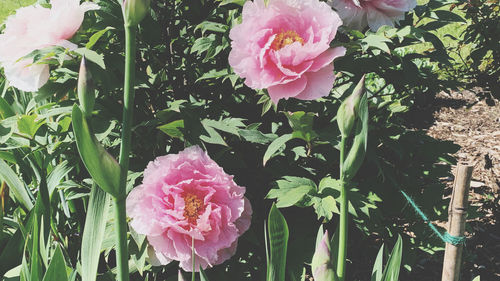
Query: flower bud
point(322, 265)
point(348, 110)
point(134, 11)
point(86, 94)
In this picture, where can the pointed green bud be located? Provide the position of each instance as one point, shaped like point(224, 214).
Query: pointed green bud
point(322, 265)
point(86, 93)
point(134, 11)
point(348, 111)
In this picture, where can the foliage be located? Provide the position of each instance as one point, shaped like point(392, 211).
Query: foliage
point(483, 33)
point(187, 94)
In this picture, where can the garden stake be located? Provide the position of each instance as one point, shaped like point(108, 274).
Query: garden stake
point(457, 215)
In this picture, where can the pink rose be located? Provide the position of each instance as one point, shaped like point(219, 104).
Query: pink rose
point(358, 14)
point(35, 27)
point(185, 196)
point(285, 47)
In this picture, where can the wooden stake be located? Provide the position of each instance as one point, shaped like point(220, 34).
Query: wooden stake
point(457, 215)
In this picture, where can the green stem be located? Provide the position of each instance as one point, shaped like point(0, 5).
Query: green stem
point(342, 251)
point(128, 108)
point(121, 239)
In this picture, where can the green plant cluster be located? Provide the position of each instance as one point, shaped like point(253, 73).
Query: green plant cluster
point(187, 94)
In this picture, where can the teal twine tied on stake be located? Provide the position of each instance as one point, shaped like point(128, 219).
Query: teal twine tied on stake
point(446, 237)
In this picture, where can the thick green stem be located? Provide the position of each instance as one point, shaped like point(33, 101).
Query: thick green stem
point(128, 108)
point(344, 212)
point(121, 239)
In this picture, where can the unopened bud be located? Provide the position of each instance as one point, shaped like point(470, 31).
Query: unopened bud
point(348, 110)
point(134, 11)
point(86, 94)
point(322, 264)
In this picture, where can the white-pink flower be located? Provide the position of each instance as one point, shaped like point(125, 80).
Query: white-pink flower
point(36, 27)
point(188, 196)
point(358, 14)
point(284, 47)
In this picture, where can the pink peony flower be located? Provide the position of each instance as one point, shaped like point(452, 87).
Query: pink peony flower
point(358, 14)
point(35, 27)
point(185, 196)
point(285, 47)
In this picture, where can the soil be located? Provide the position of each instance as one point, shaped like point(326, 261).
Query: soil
point(474, 124)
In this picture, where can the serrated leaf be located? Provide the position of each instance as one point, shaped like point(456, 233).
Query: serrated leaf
point(302, 125)
point(287, 197)
point(325, 207)
point(376, 41)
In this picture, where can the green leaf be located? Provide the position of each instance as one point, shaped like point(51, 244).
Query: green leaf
point(275, 146)
point(203, 275)
point(12, 252)
point(57, 267)
point(91, 56)
point(278, 243)
point(256, 136)
point(444, 15)
point(15, 185)
point(325, 207)
point(93, 234)
point(391, 272)
point(289, 197)
point(203, 44)
point(103, 168)
point(378, 271)
point(375, 41)
point(96, 36)
point(5, 109)
point(302, 125)
point(173, 129)
point(58, 174)
point(35, 262)
point(28, 124)
point(291, 190)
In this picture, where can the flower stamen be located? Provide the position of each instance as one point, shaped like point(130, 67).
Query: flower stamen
point(285, 38)
point(193, 205)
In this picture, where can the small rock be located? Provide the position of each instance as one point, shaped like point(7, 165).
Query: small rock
point(476, 184)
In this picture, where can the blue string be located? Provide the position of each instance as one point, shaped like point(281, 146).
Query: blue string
point(446, 237)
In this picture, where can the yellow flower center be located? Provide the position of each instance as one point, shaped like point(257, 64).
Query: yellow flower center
point(285, 38)
point(192, 207)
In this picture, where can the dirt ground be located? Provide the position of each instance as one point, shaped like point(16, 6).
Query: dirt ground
point(474, 124)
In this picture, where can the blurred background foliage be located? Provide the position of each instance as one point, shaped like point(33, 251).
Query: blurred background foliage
point(187, 94)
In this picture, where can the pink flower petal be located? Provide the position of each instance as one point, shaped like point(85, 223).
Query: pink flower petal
point(289, 90)
point(319, 84)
